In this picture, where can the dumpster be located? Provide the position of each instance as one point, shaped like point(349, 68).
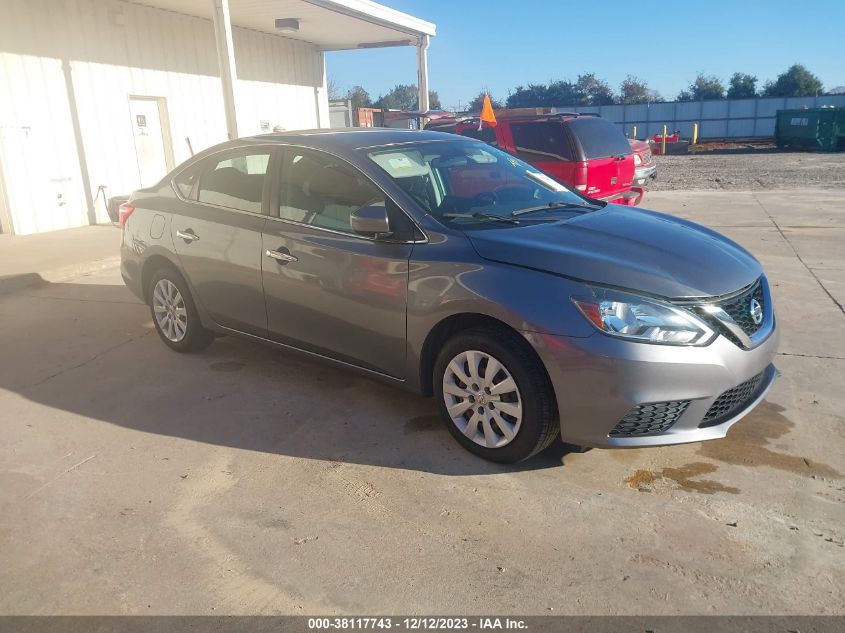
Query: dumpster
point(820, 129)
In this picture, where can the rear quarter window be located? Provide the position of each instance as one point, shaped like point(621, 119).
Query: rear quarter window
point(599, 138)
point(541, 141)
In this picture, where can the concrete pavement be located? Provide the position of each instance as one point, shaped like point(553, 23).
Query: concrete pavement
point(246, 480)
point(29, 260)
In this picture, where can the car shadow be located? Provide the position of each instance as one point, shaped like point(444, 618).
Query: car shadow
point(98, 356)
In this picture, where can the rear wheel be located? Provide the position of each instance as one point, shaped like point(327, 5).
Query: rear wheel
point(494, 396)
point(174, 314)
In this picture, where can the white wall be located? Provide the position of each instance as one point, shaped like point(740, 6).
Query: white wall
point(107, 50)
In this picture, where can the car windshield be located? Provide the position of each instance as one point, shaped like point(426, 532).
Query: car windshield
point(469, 184)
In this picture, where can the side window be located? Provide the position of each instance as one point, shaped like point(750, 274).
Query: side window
point(235, 180)
point(599, 138)
point(541, 141)
point(184, 181)
point(486, 135)
point(323, 191)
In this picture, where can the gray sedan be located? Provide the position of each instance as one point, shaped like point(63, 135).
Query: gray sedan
point(443, 265)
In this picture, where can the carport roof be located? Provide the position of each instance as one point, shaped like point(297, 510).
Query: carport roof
point(329, 24)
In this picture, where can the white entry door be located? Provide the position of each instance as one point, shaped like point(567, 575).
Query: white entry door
point(149, 132)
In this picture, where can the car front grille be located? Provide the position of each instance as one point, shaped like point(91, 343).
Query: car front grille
point(738, 308)
point(646, 157)
point(732, 401)
point(650, 419)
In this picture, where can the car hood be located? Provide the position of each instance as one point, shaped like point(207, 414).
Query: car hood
point(629, 248)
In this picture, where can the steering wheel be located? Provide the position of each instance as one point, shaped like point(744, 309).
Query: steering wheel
point(484, 198)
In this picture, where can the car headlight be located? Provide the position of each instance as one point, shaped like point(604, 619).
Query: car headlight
point(637, 160)
point(644, 320)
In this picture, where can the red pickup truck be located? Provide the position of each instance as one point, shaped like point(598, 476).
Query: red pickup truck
point(585, 151)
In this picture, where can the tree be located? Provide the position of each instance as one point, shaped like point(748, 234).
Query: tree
point(593, 91)
point(359, 97)
point(704, 87)
point(635, 90)
point(401, 97)
point(533, 96)
point(434, 100)
point(333, 90)
point(797, 81)
point(478, 101)
point(562, 93)
point(406, 97)
point(742, 86)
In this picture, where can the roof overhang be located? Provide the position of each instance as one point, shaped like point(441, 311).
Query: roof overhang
point(328, 24)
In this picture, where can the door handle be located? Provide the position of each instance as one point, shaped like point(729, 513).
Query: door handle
point(188, 235)
point(282, 258)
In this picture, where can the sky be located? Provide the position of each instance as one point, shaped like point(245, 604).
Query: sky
point(499, 44)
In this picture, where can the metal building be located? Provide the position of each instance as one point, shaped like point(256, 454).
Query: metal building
point(100, 97)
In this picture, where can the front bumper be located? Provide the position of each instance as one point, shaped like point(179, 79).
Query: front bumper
point(598, 380)
point(642, 174)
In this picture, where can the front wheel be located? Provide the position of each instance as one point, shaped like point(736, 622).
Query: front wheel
point(494, 395)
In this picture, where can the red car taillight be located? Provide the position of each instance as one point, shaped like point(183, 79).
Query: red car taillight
point(123, 213)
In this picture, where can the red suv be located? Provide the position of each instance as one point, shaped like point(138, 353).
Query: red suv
point(582, 150)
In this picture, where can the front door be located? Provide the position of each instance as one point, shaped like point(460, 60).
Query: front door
point(327, 289)
point(217, 234)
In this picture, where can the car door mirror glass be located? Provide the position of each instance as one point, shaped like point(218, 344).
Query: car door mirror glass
point(371, 221)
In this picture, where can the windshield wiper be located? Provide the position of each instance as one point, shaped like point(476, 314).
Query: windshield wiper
point(556, 205)
point(492, 217)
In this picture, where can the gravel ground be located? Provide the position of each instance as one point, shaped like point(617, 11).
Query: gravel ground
point(749, 171)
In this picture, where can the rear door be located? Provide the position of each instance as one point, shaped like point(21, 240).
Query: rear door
point(329, 290)
point(217, 234)
point(610, 162)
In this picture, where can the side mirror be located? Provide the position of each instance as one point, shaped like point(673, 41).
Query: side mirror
point(371, 221)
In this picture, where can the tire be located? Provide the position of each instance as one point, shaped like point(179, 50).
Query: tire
point(504, 437)
point(180, 329)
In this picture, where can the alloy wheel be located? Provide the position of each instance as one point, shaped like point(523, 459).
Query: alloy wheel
point(170, 311)
point(482, 399)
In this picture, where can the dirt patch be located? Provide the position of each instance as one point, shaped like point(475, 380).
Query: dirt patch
point(747, 444)
point(682, 477)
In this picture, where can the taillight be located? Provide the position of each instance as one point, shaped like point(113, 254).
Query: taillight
point(579, 177)
point(123, 213)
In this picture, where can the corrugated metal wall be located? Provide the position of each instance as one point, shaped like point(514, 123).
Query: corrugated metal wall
point(107, 51)
point(729, 118)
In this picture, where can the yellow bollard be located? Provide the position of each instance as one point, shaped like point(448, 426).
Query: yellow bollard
point(635, 131)
point(694, 133)
point(663, 143)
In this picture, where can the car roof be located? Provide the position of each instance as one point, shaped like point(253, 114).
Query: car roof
point(350, 139)
point(508, 118)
